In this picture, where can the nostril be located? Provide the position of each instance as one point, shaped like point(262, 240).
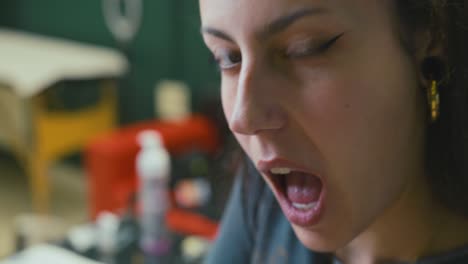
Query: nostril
point(275, 118)
point(253, 120)
point(241, 123)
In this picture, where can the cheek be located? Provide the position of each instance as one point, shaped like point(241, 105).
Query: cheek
point(374, 115)
point(369, 130)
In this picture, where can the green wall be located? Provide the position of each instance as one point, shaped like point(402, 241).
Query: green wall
point(168, 45)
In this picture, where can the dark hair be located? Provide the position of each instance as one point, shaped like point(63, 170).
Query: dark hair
point(447, 138)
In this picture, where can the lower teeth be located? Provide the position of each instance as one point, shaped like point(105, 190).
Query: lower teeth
point(304, 206)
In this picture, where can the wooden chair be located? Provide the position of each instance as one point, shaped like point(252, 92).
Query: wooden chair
point(36, 135)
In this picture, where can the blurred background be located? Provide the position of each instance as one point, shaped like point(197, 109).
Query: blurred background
point(80, 81)
point(168, 44)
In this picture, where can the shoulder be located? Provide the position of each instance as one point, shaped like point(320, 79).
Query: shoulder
point(456, 256)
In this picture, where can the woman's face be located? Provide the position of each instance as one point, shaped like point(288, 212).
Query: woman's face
point(325, 102)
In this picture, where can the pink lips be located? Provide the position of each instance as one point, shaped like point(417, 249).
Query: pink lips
point(305, 218)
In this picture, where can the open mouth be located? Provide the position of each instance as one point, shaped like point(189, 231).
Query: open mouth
point(300, 194)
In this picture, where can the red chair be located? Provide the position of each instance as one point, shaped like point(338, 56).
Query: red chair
point(110, 158)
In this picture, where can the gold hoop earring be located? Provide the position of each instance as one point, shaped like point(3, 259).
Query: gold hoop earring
point(433, 101)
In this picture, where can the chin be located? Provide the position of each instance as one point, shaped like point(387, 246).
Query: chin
point(318, 242)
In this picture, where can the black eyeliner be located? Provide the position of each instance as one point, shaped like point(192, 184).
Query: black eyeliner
point(315, 49)
point(329, 43)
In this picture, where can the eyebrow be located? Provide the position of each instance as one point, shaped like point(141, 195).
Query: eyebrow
point(276, 26)
point(284, 22)
point(217, 33)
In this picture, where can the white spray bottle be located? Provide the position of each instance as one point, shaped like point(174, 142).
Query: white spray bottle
point(153, 168)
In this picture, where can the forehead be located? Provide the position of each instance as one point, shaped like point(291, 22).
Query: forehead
point(232, 15)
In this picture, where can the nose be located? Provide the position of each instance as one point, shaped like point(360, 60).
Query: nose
point(257, 102)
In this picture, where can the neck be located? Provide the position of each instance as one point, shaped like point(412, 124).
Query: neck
point(414, 227)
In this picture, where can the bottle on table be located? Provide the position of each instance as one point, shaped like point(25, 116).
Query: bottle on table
point(153, 169)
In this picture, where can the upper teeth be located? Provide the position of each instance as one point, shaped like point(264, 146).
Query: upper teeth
point(280, 171)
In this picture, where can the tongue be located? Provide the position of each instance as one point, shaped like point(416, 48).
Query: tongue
point(303, 188)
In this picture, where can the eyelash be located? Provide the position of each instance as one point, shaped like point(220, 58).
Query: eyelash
point(226, 55)
point(236, 57)
point(311, 49)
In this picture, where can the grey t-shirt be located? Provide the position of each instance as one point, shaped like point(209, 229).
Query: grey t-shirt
point(254, 230)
